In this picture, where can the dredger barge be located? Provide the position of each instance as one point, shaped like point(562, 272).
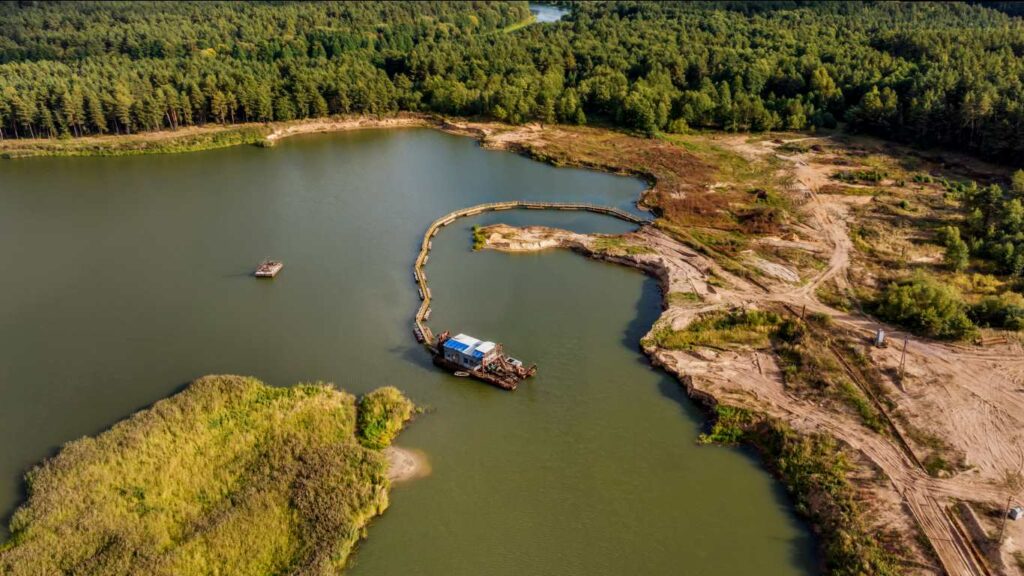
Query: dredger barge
point(464, 355)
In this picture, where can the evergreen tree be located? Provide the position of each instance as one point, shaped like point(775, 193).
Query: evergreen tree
point(957, 253)
point(927, 73)
point(1018, 182)
point(97, 122)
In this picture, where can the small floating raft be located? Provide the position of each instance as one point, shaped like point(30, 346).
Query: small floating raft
point(268, 269)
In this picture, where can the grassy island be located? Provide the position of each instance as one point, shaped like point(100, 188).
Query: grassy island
point(230, 476)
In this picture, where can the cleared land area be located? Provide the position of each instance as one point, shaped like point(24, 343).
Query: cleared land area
point(773, 253)
point(742, 335)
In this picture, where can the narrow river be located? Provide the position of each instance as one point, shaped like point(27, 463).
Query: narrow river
point(125, 278)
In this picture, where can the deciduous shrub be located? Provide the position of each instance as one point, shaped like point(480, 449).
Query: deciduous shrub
point(1003, 311)
point(816, 473)
point(926, 306)
point(381, 416)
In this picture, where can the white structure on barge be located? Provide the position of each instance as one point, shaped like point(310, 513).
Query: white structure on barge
point(468, 352)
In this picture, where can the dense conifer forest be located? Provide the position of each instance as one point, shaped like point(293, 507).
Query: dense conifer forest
point(949, 74)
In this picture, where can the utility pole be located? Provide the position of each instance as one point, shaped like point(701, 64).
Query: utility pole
point(903, 359)
point(1013, 483)
point(1006, 517)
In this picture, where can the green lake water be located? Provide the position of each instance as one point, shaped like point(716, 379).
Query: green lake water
point(125, 278)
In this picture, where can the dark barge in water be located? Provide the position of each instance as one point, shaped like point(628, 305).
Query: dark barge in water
point(268, 269)
point(485, 361)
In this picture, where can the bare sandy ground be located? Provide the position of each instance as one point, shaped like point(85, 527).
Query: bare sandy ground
point(344, 124)
point(406, 464)
point(972, 397)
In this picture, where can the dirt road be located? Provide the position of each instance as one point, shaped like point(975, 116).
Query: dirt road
point(973, 397)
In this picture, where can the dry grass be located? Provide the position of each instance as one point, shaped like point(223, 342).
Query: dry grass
point(228, 477)
point(683, 298)
point(721, 330)
point(671, 169)
point(808, 353)
point(617, 245)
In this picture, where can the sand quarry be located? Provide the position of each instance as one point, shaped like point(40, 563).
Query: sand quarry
point(971, 397)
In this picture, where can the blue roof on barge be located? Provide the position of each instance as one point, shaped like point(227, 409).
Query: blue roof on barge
point(453, 344)
point(469, 346)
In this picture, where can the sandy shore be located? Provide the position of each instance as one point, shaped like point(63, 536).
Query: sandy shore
point(967, 396)
point(406, 464)
point(210, 136)
point(342, 124)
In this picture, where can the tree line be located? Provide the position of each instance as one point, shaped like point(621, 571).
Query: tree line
point(993, 227)
point(930, 73)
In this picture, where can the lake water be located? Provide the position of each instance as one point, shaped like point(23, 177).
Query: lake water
point(547, 12)
point(126, 278)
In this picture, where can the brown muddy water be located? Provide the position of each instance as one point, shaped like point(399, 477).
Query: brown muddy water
point(125, 278)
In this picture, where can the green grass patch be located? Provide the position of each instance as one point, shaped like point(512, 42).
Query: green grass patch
point(830, 295)
point(869, 176)
point(729, 166)
point(683, 298)
point(722, 330)
point(518, 25)
point(809, 364)
point(230, 476)
point(854, 190)
point(853, 396)
point(794, 148)
point(861, 238)
point(156, 143)
point(619, 245)
point(935, 465)
point(479, 238)
point(803, 348)
point(721, 245)
point(729, 427)
point(716, 280)
point(795, 258)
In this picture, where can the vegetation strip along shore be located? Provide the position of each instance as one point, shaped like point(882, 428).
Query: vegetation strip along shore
point(694, 263)
point(685, 228)
point(228, 476)
point(880, 68)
